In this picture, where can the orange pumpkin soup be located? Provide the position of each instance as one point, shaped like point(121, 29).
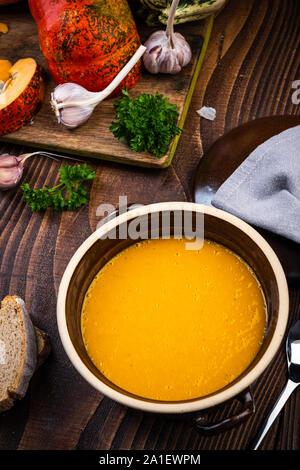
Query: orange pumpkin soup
point(166, 323)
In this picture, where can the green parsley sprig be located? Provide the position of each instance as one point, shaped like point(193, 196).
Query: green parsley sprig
point(69, 194)
point(146, 123)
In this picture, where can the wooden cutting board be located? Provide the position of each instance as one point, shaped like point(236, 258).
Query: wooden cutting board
point(94, 139)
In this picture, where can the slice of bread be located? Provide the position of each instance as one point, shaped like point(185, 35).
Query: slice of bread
point(22, 348)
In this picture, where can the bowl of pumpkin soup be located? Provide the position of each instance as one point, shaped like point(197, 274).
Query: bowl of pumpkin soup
point(166, 324)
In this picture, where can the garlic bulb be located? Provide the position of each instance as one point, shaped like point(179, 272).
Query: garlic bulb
point(11, 171)
point(11, 167)
point(167, 51)
point(73, 104)
point(72, 116)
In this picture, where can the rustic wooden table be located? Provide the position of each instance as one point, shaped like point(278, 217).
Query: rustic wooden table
point(251, 62)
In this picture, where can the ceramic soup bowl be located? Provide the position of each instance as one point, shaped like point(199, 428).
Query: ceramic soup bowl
point(219, 226)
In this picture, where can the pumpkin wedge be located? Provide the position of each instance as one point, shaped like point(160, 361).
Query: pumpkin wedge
point(87, 42)
point(3, 28)
point(5, 67)
point(21, 94)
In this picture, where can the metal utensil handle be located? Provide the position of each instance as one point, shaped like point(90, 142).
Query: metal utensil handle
point(211, 428)
point(283, 397)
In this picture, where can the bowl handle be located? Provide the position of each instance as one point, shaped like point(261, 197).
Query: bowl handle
point(248, 409)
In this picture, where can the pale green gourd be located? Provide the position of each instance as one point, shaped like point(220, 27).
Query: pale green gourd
point(157, 11)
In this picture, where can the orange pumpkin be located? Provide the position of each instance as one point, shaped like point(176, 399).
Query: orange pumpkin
point(22, 90)
point(87, 41)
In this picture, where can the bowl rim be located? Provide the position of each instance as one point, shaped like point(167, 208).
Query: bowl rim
point(198, 404)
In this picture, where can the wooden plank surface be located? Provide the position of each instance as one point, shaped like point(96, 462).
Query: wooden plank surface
point(251, 63)
point(94, 138)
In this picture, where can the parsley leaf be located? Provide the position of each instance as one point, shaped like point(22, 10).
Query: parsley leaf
point(69, 194)
point(146, 123)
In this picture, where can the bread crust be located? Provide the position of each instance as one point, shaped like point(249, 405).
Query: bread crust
point(28, 363)
point(30, 357)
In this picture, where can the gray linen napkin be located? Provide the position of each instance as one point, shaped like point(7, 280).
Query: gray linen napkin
point(265, 189)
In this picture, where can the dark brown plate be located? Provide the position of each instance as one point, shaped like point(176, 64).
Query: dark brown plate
point(223, 158)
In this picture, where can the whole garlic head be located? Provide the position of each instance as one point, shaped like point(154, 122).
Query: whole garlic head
point(62, 99)
point(165, 54)
point(167, 51)
point(74, 104)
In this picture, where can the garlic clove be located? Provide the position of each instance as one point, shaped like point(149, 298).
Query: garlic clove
point(11, 166)
point(75, 116)
point(8, 161)
point(207, 113)
point(152, 58)
point(183, 50)
point(11, 171)
point(158, 38)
